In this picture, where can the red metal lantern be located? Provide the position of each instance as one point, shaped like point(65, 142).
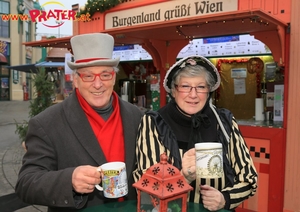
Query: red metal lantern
point(162, 189)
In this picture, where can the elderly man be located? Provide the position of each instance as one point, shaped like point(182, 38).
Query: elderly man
point(67, 142)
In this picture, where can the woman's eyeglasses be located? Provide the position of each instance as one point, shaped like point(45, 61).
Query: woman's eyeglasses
point(188, 89)
point(90, 77)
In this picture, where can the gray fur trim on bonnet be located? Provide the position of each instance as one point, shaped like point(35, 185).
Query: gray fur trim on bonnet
point(191, 60)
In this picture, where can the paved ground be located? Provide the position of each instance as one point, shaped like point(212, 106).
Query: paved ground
point(11, 153)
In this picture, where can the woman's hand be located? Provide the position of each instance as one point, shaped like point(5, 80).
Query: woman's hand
point(189, 165)
point(213, 199)
point(84, 179)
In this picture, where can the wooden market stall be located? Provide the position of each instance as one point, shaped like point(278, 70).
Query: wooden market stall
point(164, 27)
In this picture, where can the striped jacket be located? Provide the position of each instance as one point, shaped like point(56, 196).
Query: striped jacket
point(156, 137)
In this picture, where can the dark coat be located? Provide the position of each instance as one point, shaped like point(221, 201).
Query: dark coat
point(59, 139)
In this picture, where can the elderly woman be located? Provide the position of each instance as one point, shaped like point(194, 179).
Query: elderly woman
point(190, 118)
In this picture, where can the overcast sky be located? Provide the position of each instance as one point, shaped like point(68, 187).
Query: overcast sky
point(64, 30)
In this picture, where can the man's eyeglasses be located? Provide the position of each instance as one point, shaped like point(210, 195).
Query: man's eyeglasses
point(90, 77)
point(188, 89)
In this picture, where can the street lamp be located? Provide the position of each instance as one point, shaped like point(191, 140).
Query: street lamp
point(59, 23)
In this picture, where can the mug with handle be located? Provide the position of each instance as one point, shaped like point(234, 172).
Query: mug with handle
point(114, 179)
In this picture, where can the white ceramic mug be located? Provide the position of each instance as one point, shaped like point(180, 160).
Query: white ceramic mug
point(209, 160)
point(114, 179)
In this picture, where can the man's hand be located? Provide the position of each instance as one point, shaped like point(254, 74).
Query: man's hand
point(85, 178)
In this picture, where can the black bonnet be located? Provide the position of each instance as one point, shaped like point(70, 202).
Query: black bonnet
point(191, 60)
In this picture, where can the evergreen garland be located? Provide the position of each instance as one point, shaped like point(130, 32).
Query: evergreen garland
point(93, 6)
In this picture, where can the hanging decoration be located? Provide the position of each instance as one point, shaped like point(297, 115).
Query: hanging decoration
point(93, 6)
point(255, 65)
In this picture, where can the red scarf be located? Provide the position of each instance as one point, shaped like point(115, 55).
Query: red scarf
point(109, 133)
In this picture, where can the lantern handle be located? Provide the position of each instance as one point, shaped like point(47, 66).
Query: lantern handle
point(163, 158)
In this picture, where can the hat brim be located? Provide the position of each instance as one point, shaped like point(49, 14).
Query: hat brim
point(202, 61)
point(110, 62)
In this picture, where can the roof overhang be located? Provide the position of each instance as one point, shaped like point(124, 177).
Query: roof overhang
point(28, 68)
point(63, 42)
point(33, 68)
point(50, 64)
point(238, 22)
point(231, 23)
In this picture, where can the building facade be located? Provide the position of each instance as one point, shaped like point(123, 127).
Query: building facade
point(15, 30)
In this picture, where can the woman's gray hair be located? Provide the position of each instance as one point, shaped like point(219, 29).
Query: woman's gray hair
point(193, 71)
